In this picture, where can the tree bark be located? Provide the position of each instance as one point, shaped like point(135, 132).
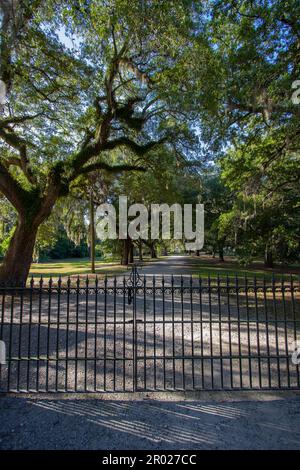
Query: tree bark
point(220, 246)
point(125, 252)
point(140, 250)
point(16, 264)
point(221, 253)
point(130, 257)
point(269, 263)
point(153, 251)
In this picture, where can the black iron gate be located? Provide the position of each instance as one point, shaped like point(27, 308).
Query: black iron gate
point(144, 333)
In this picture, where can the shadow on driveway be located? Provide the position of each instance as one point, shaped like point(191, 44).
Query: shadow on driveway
point(46, 423)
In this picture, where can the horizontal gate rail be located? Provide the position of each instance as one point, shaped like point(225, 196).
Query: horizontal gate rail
point(150, 333)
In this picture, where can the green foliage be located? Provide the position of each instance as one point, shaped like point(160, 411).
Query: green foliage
point(5, 241)
point(61, 247)
point(265, 216)
point(211, 82)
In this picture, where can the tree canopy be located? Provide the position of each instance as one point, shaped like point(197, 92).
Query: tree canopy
point(118, 86)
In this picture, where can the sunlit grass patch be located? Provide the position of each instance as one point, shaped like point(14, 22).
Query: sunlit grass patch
point(75, 267)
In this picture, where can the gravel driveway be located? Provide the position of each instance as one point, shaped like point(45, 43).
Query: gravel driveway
point(211, 422)
point(148, 421)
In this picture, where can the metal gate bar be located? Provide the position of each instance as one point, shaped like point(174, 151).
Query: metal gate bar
point(142, 333)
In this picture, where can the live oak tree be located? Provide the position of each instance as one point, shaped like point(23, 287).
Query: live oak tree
point(257, 55)
point(217, 199)
point(83, 79)
point(264, 219)
point(87, 79)
point(255, 123)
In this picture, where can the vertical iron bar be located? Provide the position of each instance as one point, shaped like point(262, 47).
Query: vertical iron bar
point(29, 332)
point(124, 337)
point(105, 332)
point(285, 334)
point(96, 333)
point(257, 331)
point(11, 339)
point(201, 331)
point(267, 331)
point(48, 332)
point(182, 333)
point(86, 332)
point(154, 331)
point(134, 326)
point(164, 331)
point(248, 331)
point(76, 333)
point(173, 333)
point(115, 334)
point(295, 323)
point(3, 294)
point(210, 333)
point(39, 334)
point(67, 333)
point(145, 333)
point(276, 329)
point(192, 332)
point(229, 330)
point(20, 336)
point(220, 330)
point(57, 332)
point(237, 287)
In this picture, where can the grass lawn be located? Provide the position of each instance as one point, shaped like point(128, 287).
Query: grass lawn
point(204, 265)
point(75, 266)
point(207, 265)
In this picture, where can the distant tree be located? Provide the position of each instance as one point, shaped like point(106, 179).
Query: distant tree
point(217, 199)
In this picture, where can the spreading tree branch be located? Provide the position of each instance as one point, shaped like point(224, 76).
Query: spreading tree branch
point(13, 140)
point(136, 148)
point(110, 168)
point(11, 189)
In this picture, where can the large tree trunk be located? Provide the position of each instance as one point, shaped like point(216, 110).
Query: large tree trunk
point(221, 244)
point(221, 253)
point(153, 251)
point(16, 264)
point(124, 258)
point(130, 255)
point(127, 252)
point(269, 263)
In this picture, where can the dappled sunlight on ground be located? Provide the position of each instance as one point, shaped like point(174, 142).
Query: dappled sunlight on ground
point(149, 424)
